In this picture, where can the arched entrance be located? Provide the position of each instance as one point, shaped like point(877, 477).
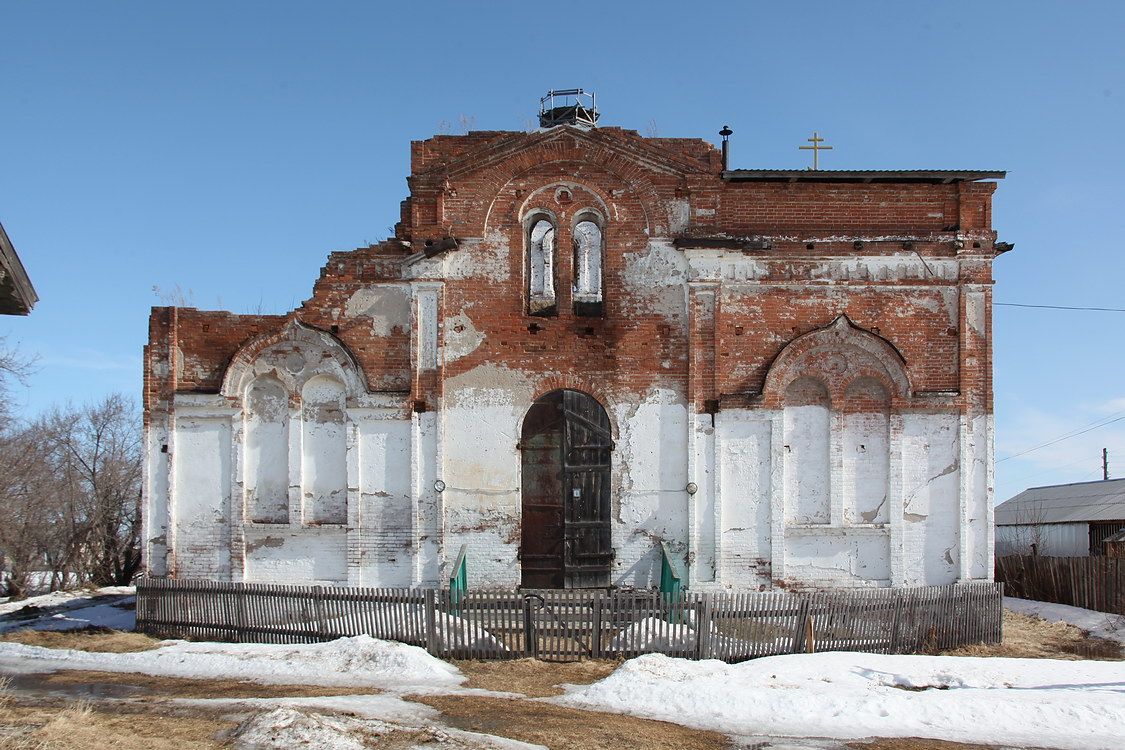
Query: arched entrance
point(566, 446)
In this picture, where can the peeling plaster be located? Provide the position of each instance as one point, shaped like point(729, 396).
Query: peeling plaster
point(487, 258)
point(387, 305)
point(654, 280)
point(461, 337)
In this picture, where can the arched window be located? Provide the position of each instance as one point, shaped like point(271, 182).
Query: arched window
point(588, 244)
point(541, 267)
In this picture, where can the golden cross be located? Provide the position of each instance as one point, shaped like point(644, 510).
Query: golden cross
point(816, 148)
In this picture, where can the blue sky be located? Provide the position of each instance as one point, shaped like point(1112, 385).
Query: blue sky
point(227, 148)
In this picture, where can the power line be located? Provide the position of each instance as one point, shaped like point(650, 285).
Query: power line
point(1060, 307)
point(1069, 435)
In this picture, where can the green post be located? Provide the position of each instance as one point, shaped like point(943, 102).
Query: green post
point(671, 581)
point(458, 581)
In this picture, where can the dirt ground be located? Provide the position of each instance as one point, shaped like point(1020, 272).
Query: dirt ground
point(916, 743)
point(87, 639)
point(38, 712)
point(563, 728)
point(151, 688)
point(531, 677)
point(1029, 637)
point(86, 726)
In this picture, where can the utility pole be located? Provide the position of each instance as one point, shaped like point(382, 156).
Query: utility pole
point(1105, 464)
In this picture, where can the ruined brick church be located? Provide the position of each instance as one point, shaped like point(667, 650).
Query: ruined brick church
point(583, 346)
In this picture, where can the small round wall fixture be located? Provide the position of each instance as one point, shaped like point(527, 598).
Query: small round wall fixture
point(439, 486)
point(692, 488)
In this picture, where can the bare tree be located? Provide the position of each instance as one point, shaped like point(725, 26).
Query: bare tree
point(70, 491)
point(96, 457)
point(1027, 535)
point(14, 368)
point(24, 529)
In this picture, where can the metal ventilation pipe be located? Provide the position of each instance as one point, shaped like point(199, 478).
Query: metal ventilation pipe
point(726, 133)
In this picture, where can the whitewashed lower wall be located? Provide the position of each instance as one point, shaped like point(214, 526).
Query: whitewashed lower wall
point(288, 554)
point(904, 528)
point(201, 496)
point(928, 525)
point(481, 428)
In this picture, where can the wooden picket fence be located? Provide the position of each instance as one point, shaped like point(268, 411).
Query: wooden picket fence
point(573, 625)
point(1089, 582)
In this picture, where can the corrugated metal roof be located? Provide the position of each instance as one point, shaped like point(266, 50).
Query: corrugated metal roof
point(1065, 503)
point(862, 175)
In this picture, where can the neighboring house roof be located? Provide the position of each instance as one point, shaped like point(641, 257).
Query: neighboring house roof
point(1065, 503)
point(17, 295)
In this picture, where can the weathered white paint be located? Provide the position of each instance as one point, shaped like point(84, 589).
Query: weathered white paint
point(385, 523)
point(296, 555)
point(387, 305)
point(323, 454)
point(807, 451)
point(650, 486)
point(266, 463)
point(745, 468)
point(201, 513)
point(931, 497)
point(656, 279)
point(157, 498)
point(461, 337)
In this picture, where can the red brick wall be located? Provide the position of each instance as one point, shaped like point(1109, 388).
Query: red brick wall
point(477, 185)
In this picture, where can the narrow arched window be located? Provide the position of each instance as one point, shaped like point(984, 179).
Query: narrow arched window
point(587, 268)
point(541, 268)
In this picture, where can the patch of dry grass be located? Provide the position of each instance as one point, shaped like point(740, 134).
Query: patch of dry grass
point(561, 728)
point(87, 639)
point(533, 677)
point(917, 743)
point(154, 688)
point(1030, 637)
point(82, 726)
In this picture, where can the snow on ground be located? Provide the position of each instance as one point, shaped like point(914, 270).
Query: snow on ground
point(409, 620)
point(110, 607)
point(361, 661)
point(1077, 705)
point(1097, 624)
point(61, 598)
point(284, 728)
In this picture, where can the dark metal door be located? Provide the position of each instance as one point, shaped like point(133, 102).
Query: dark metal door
point(566, 443)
